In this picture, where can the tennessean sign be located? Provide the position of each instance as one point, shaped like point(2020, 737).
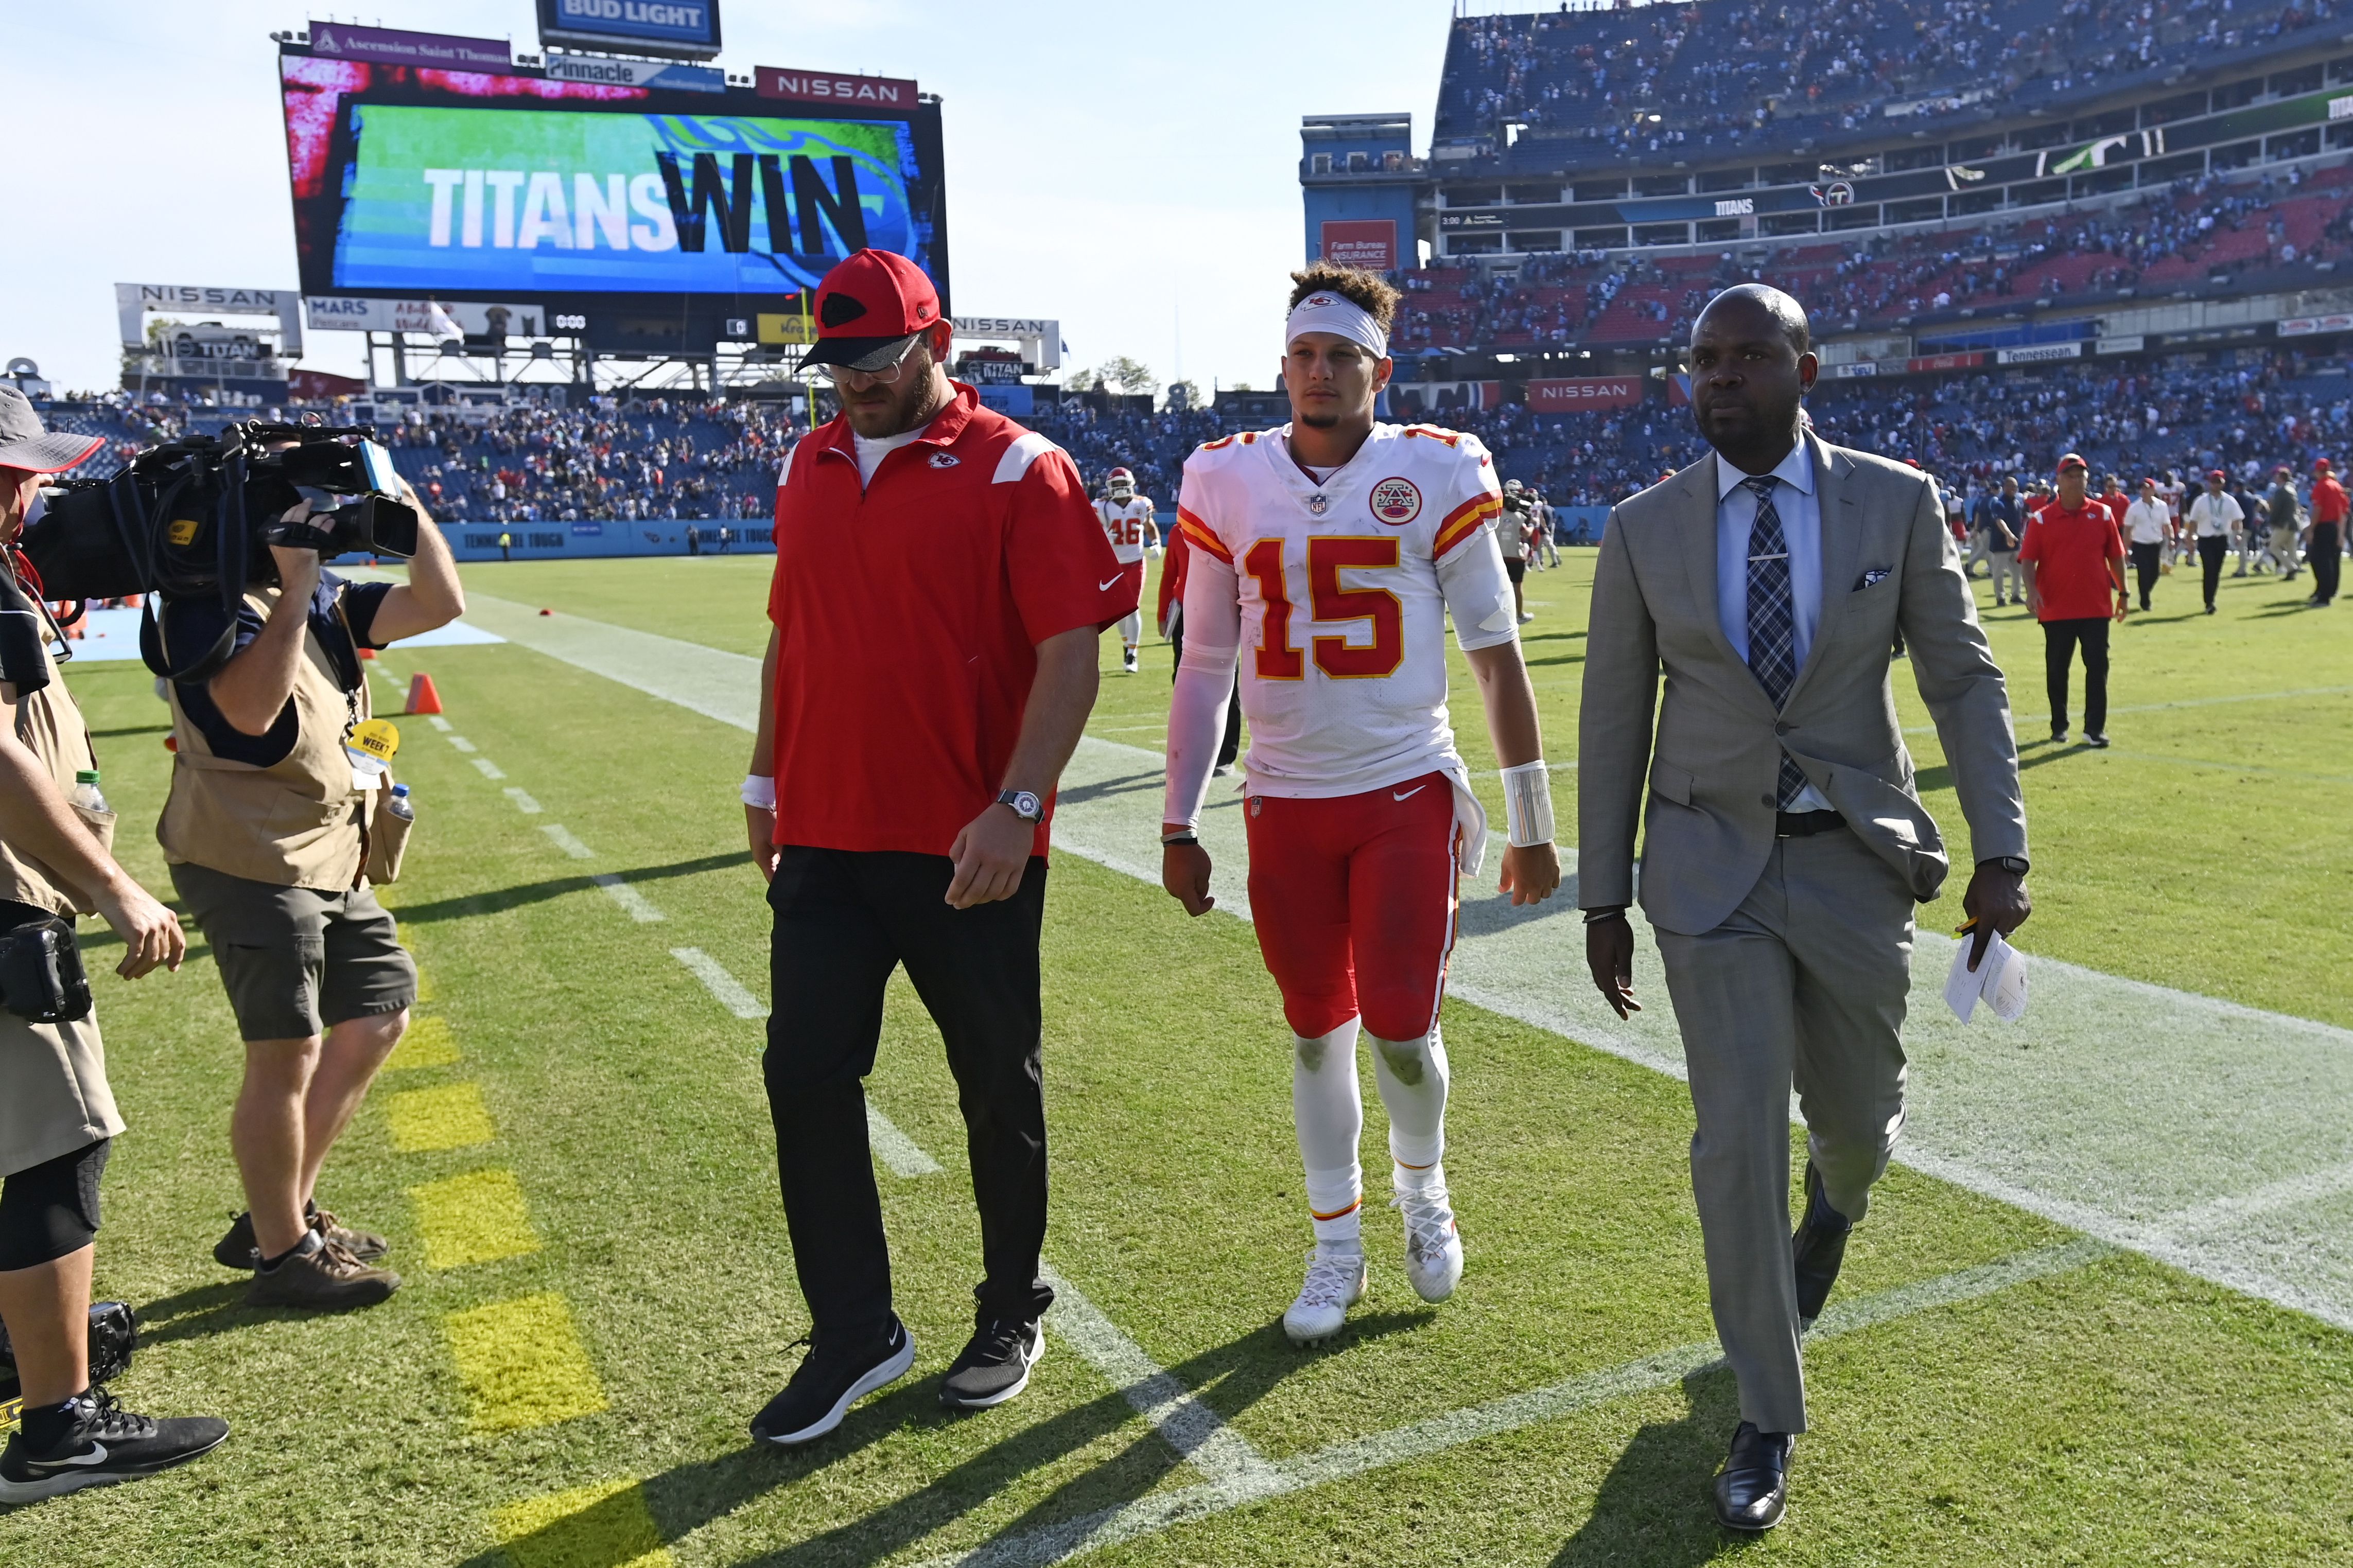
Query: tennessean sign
point(829, 86)
point(1586, 392)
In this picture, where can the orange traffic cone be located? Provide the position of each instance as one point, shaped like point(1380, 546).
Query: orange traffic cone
point(422, 698)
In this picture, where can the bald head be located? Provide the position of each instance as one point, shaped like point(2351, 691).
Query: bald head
point(1751, 367)
point(1770, 302)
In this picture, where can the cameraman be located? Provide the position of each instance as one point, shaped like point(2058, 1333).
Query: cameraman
point(267, 832)
point(57, 1118)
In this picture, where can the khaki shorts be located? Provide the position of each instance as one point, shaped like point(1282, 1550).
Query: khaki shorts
point(296, 962)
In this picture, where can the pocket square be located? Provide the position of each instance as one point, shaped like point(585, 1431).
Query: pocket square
point(1875, 575)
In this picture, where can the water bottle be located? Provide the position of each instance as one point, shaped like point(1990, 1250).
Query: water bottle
point(398, 805)
point(86, 793)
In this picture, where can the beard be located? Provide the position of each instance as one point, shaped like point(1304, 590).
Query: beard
point(1318, 421)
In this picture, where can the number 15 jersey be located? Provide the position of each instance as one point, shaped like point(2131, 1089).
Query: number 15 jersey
point(1342, 608)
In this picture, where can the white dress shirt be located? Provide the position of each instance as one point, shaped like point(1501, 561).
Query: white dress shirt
point(1801, 533)
point(2149, 521)
point(2214, 516)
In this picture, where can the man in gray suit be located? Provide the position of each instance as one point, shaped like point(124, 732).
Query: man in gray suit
point(1786, 845)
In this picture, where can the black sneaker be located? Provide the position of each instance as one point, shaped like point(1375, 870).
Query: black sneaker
point(105, 1444)
point(239, 1249)
point(829, 1381)
point(2059, 734)
point(2098, 742)
point(994, 1365)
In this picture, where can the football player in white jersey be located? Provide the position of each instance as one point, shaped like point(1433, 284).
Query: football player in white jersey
point(1128, 522)
point(1325, 557)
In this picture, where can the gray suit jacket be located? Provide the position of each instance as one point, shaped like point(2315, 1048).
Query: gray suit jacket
point(1888, 561)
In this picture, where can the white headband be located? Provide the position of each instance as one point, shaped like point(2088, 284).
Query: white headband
point(1324, 311)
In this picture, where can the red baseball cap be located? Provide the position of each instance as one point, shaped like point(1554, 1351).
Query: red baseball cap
point(2072, 461)
point(2320, 465)
point(2216, 474)
point(870, 309)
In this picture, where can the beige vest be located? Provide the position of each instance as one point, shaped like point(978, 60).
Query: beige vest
point(51, 727)
point(298, 822)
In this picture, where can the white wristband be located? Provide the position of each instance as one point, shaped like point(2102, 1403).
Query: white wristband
point(761, 791)
point(1527, 803)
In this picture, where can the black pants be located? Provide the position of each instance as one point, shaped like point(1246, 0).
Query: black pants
point(2146, 560)
point(2059, 640)
point(2327, 558)
point(2211, 550)
point(844, 920)
point(1231, 746)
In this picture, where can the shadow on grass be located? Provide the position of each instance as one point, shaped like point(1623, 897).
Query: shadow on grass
point(2031, 754)
point(688, 1497)
point(198, 1313)
point(500, 900)
point(1653, 1506)
point(1127, 784)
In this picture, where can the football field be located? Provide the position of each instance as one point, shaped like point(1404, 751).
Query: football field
point(2101, 1313)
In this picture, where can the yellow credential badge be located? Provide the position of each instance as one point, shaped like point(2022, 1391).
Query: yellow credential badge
point(373, 744)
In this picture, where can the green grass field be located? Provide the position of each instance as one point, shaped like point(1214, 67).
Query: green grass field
point(573, 1162)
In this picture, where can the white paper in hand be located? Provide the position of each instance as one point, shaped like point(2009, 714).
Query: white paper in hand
point(1999, 981)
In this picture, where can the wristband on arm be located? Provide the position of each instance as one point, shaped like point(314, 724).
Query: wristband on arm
point(1527, 803)
point(760, 791)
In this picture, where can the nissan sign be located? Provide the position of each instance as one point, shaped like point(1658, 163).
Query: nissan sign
point(1585, 392)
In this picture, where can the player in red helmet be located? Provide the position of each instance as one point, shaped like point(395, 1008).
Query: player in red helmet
point(1128, 522)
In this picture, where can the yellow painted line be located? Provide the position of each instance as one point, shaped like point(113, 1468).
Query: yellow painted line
point(606, 1526)
point(424, 985)
point(449, 1116)
point(427, 1044)
point(522, 1363)
point(477, 1217)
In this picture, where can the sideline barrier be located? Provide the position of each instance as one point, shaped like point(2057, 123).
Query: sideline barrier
point(610, 537)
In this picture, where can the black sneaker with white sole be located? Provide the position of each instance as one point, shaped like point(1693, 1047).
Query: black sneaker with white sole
point(834, 1376)
point(994, 1365)
point(102, 1444)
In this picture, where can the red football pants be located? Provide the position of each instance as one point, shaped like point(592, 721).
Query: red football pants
point(1353, 901)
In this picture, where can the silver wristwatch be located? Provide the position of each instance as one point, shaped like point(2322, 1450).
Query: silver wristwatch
point(1024, 805)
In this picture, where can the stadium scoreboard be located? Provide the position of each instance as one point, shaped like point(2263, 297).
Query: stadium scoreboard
point(640, 218)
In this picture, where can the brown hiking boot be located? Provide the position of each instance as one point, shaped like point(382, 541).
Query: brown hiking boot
point(238, 1250)
point(323, 1280)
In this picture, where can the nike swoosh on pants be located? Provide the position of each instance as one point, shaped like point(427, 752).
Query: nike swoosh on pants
point(1107, 582)
point(1409, 794)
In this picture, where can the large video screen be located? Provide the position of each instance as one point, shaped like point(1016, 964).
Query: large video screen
point(411, 182)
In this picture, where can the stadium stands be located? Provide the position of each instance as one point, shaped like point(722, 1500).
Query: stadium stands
point(1747, 75)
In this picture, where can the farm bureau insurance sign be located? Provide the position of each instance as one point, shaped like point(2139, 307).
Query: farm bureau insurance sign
point(1585, 392)
point(829, 86)
point(1369, 243)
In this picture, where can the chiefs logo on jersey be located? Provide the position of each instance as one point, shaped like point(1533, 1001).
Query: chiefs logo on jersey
point(1397, 501)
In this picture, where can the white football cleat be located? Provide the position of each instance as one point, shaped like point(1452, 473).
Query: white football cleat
point(1335, 1282)
point(1433, 1247)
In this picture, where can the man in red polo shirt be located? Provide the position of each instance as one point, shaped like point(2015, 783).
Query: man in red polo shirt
point(2074, 562)
point(917, 707)
point(2324, 549)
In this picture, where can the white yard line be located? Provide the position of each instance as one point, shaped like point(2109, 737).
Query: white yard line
point(462, 743)
point(522, 801)
point(895, 1149)
point(2184, 702)
point(720, 984)
point(565, 840)
point(488, 769)
point(2114, 1106)
point(438, 721)
point(628, 898)
point(1150, 1515)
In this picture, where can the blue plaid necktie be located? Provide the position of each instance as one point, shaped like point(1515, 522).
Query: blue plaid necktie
point(1772, 620)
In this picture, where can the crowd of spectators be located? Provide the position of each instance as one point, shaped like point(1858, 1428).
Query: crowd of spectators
point(2278, 232)
point(1740, 73)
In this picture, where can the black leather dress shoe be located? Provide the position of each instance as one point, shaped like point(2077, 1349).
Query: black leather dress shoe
point(1817, 1248)
point(1752, 1490)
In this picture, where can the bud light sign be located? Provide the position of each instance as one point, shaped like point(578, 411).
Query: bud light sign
point(686, 28)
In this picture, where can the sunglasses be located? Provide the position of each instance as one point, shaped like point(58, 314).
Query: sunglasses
point(888, 375)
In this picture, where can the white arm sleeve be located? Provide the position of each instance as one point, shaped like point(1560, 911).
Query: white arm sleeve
point(1478, 593)
point(1205, 681)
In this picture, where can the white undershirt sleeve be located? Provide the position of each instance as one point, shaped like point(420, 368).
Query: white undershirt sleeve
point(1205, 682)
point(1478, 593)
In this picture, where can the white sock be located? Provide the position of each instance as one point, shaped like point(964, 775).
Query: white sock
point(1329, 1111)
point(1412, 1076)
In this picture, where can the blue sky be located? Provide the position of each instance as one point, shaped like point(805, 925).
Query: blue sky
point(1129, 168)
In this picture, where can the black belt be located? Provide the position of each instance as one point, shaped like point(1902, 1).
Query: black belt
point(1805, 824)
